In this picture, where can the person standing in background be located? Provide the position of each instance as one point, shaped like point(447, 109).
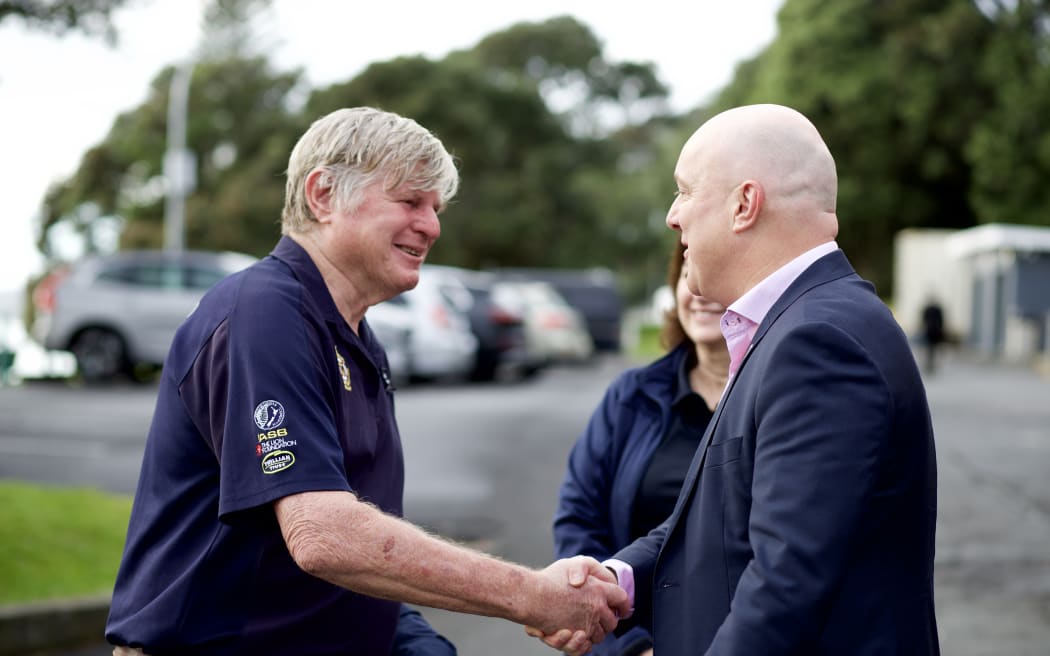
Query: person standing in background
point(932, 332)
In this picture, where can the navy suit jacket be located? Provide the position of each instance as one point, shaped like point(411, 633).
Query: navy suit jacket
point(806, 523)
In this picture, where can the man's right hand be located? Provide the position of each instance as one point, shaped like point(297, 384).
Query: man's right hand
point(585, 606)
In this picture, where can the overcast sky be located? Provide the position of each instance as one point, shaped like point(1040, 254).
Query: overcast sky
point(60, 95)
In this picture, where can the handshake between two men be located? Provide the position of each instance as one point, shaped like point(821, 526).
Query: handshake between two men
point(576, 616)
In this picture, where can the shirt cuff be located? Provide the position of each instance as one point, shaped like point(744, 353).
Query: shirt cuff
point(625, 577)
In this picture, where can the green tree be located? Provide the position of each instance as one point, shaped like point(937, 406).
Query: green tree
point(242, 132)
point(507, 146)
point(565, 60)
point(92, 17)
point(520, 111)
point(554, 144)
point(1009, 149)
point(618, 117)
point(891, 86)
point(239, 127)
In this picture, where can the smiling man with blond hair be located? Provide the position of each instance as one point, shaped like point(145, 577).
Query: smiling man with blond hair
point(267, 518)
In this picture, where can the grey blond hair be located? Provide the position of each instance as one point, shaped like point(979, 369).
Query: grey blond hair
point(357, 147)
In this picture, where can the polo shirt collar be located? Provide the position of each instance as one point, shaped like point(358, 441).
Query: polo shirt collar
point(302, 265)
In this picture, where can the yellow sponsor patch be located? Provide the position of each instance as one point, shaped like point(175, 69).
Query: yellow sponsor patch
point(277, 461)
point(273, 434)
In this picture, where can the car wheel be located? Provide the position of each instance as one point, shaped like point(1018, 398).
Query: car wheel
point(100, 354)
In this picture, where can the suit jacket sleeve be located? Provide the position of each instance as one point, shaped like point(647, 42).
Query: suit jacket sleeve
point(823, 415)
point(641, 556)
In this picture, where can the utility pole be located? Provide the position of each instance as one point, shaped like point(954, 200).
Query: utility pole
point(180, 164)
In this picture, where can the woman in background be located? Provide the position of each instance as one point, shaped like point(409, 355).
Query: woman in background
point(625, 470)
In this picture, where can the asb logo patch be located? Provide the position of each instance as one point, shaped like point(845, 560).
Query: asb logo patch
point(269, 414)
point(277, 461)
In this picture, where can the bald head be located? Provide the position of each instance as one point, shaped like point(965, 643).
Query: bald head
point(757, 187)
point(775, 146)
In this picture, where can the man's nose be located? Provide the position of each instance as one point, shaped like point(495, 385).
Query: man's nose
point(672, 220)
point(429, 224)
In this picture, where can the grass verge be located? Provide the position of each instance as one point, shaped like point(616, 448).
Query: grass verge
point(58, 542)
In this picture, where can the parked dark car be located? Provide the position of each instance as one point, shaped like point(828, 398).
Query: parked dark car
point(555, 332)
point(593, 292)
point(118, 312)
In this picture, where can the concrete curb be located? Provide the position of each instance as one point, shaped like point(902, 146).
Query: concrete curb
point(45, 627)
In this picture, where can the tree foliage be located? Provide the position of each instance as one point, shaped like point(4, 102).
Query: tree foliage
point(93, 17)
point(242, 132)
point(935, 111)
point(1009, 149)
point(534, 186)
point(528, 195)
point(890, 86)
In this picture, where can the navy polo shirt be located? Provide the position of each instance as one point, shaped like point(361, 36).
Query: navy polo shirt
point(266, 392)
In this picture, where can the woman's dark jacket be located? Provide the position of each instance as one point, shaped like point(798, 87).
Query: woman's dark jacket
point(606, 466)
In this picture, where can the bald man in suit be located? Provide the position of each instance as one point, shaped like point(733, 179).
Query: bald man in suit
point(806, 523)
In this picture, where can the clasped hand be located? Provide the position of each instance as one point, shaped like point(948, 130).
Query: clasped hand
point(585, 605)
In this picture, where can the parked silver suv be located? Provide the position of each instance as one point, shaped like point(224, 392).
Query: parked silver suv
point(116, 312)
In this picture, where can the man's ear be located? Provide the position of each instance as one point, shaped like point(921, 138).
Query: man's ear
point(749, 198)
point(319, 194)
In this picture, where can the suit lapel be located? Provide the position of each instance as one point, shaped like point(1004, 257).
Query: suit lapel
point(832, 266)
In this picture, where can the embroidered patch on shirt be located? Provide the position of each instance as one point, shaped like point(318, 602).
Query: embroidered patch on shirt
point(344, 371)
point(277, 461)
point(273, 442)
point(269, 414)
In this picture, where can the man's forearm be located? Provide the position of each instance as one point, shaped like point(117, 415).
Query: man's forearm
point(334, 536)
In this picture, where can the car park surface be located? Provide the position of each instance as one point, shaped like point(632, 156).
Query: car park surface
point(465, 447)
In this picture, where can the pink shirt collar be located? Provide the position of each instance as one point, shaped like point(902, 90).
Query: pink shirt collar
point(742, 318)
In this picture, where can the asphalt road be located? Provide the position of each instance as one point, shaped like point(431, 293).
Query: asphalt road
point(484, 462)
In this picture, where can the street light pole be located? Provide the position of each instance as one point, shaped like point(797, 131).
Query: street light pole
point(180, 170)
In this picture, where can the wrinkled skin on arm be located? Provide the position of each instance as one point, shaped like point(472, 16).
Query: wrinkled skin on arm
point(334, 536)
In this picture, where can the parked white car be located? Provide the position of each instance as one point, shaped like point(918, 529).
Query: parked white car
point(115, 312)
point(440, 343)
